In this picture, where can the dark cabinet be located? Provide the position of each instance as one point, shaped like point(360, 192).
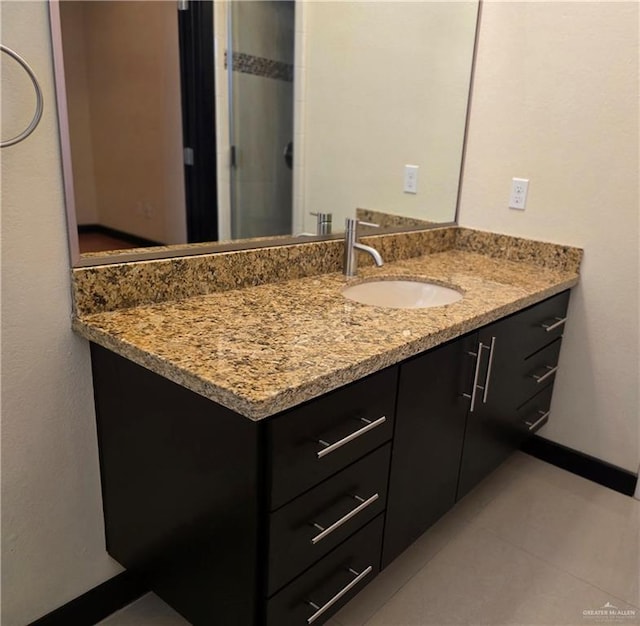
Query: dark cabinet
point(462, 409)
point(310, 443)
point(427, 443)
point(237, 522)
point(304, 530)
point(281, 521)
point(516, 358)
point(489, 436)
point(320, 591)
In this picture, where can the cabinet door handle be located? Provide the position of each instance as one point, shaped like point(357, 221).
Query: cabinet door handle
point(476, 373)
point(559, 321)
point(327, 531)
point(369, 425)
point(488, 376)
point(551, 371)
point(325, 607)
point(540, 419)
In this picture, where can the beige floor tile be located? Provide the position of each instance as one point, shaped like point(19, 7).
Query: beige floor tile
point(147, 611)
point(578, 526)
point(493, 485)
point(411, 561)
point(480, 579)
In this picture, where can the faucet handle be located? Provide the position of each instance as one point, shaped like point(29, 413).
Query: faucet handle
point(353, 222)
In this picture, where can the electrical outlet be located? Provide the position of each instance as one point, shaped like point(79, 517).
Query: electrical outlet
point(518, 196)
point(148, 210)
point(411, 179)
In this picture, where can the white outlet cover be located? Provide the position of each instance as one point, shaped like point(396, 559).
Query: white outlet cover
point(410, 179)
point(518, 195)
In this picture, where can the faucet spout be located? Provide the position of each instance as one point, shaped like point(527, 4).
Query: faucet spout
point(351, 244)
point(372, 251)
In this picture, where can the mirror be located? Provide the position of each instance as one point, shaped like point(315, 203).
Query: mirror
point(345, 107)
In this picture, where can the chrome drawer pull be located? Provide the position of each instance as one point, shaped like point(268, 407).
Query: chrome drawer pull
point(327, 531)
point(476, 373)
point(541, 419)
point(342, 592)
point(549, 327)
point(488, 376)
point(330, 447)
point(551, 372)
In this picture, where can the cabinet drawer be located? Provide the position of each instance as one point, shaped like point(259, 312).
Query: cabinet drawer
point(538, 371)
point(540, 324)
point(318, 439)
point(534, 414)
point(327, 586)
point(306, 529)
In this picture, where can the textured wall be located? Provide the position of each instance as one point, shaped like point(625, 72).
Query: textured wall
point(556, 100)
point(52, 530)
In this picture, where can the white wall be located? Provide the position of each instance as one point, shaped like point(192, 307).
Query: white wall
point(556, 101)
point(52, 529)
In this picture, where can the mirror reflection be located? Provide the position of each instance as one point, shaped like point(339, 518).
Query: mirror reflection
point(345, 107)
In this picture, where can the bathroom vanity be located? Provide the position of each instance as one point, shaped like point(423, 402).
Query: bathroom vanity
point(264, 475)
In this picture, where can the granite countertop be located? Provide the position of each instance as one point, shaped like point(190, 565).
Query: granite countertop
point(263, 349)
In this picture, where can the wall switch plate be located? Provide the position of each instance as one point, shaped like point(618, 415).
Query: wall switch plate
point(411, 179)
point(518, 196)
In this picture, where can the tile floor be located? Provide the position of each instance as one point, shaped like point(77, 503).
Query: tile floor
point(532, 545)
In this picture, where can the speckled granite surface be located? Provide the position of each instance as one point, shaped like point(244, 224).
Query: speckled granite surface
point(389, 220)
point(118, 285)
point(262, 349)
point(549, 255)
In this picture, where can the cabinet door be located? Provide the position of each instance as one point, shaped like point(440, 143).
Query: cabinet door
point(430, 422)
point(489, 436)
point(517, 358)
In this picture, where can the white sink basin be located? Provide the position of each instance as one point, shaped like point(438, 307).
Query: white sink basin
point(401, 294)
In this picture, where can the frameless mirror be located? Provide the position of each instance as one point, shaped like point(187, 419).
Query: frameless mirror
point(190, 126)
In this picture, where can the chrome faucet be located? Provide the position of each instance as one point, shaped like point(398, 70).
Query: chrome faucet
point(351, 245)
point(323, 223)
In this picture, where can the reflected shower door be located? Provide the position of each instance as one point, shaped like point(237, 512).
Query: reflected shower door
point(260, 71)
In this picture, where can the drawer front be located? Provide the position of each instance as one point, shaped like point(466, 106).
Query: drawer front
point(306, 529)
point(534, 414)
point(318, 439)
point(540, 324)
point(327, 586)
point(538, 371)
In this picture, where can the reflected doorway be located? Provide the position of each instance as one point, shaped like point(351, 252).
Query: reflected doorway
point(141, 97)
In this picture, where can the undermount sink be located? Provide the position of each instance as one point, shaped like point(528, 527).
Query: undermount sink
point(401, 294)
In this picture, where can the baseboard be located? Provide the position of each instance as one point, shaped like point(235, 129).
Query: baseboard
point(582, 464)
point(118, 234)
point(97, 603)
